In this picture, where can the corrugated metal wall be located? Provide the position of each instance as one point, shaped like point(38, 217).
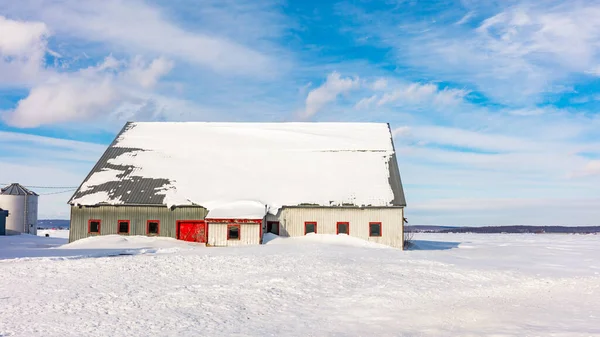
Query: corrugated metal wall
point(249, 235)
point(291, 222)
point(137, 215)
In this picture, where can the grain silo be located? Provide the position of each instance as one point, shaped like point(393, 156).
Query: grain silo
point(22, 207)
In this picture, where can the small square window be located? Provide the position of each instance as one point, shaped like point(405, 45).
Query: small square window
point(310, 227)
point(94, 226)
point(273, 227)
point(233, 232)
point(123, 227)
point(153, 227)
point(343, 228)
point(374, 228)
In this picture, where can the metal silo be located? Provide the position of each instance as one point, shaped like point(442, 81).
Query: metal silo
point(22, 207)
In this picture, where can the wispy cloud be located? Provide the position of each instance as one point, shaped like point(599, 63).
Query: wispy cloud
point(477, 92)
point(419, 93)
point(592, 168)
point(137, 26)
point(85, 93)
point(22, 48)
point(148, 75)
point(46, 161)
point(333, 86)
point(165, 60)
point(514, 52)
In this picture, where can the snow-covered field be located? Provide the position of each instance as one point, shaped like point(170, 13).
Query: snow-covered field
point(456, 285)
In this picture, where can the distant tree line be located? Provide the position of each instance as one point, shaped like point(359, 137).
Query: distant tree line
point(58, 224)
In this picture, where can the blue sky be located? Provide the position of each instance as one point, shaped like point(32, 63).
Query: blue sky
point(494, 104)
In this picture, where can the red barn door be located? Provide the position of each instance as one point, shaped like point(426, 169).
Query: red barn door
point(194, 231)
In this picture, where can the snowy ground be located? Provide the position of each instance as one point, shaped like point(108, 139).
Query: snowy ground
point(457, 285)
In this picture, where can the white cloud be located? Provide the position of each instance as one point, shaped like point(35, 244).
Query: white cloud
point(22, 48)
point(138, 27)
point(227, 52)
point(410, 94)
point(507, 211)
point(84, 150)
point(472, 139)
point(413, 93)
point(43, 161)
point(565, 34)
point(73, 99)
point(592, 168)
point(521, 51)
point(366, 102)
point(379, 84)
point(502, 173)
point(402, 131)
point(19, 38)
point(87, 93)
point(328, 92)
point(483, 204)
point(466, 18)
point(57, 96)
point(148, 76)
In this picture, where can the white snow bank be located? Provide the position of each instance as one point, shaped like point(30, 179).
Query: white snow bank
point(236, 210)
point(506, 285)
point(26, 245)
point(130, 242)
point(330, 239)
point(30, 246)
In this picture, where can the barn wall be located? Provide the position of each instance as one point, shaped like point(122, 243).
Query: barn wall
point(137, 215)
point(250, 234)
point(291, 222)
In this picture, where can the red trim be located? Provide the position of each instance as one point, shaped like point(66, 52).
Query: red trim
point(310, 222)
point(219, 220)
point(273, 223)
point(119, 226)
point(260, 235)
point(337, 227)
point(148, 227)
point(380, 229)
point(239, 231)
point(90, 226)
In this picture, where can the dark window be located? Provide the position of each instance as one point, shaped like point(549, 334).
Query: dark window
point(273, 227)
point(123, 227)
point(375, 229)
point(94, 226)
point(153, 227)
point(310, 227)
point(343, 228)
point(233, 232)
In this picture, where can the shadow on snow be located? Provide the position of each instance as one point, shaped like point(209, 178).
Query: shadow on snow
point(433, 245)
point(69, 254)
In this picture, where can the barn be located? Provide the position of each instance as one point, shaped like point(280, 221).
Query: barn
point(226, 184)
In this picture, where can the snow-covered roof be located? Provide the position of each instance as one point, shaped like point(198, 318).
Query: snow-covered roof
point(216, 165)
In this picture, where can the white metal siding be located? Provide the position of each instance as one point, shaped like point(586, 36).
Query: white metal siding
point(137, 215)
point(15, 205)
point(249, 235)
point(32, 214)
point(291, 222)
